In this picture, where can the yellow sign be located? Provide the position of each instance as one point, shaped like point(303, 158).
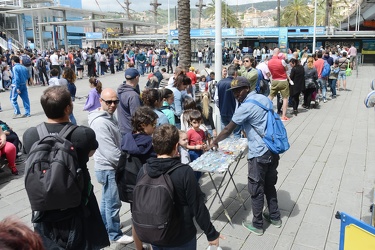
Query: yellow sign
point(357, 238)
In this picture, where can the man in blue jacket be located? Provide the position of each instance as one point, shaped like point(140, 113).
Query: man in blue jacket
point(18, 88)
point(225, 100)
point(128, 93)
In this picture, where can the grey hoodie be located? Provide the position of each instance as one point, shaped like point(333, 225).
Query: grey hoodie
point(109, 138)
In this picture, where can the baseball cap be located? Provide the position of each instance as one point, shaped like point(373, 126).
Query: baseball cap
point(131, 73)
point(239, 82)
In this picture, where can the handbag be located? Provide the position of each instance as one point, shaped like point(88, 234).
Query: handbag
point(348, 71)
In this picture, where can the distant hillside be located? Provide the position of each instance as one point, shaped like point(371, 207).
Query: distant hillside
point(163, 13)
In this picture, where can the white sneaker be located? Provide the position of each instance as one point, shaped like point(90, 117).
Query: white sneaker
point(125, 239)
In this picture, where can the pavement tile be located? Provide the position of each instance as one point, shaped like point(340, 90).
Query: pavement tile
point(311, 235)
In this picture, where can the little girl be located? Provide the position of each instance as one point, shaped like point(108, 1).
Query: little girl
point(7, 74)
point(182, 148)
point(168, 99)
point(92, 101)
point(202, 84)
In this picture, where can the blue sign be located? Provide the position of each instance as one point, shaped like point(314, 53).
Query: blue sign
point(94, 35)
point(206, 33)
point(283, 39)
point(261, 32)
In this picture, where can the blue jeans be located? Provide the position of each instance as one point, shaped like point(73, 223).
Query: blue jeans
point(194, 154)
point(24, 96)
point(72, 119)
point(323, 86)
point(142, 68)
point(332, 84)
point(225, 121)
point(190, 245)
point(110, 204)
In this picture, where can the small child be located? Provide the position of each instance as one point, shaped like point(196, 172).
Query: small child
point(332, 79)
point(7, 74)
point(54, 80)
point(202, 84)
point(182, 148)
point(168, 99)
point(196, 138)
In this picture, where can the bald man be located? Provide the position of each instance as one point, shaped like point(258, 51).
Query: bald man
point(106, 159)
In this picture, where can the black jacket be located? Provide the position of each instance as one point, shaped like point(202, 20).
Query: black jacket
point(188, 198)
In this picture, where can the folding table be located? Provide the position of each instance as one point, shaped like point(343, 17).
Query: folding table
point(229, 153)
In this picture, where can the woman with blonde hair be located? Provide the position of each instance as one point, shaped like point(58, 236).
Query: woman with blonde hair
point(311, 77)
point(207, 115)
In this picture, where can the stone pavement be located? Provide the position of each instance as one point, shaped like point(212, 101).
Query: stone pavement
point(327, 169)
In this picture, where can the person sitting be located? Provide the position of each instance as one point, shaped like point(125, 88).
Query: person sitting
point(9, 150)
point(11, 136)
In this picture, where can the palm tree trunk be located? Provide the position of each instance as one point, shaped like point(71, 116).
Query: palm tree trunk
point(184, 33)
point(278, 13)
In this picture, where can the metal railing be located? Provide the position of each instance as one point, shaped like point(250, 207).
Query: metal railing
point(4, 44)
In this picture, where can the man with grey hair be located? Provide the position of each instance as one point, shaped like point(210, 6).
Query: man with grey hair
point(107, 157)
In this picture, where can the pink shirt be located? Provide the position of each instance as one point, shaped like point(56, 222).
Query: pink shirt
point(319, 64)
point(352, 51)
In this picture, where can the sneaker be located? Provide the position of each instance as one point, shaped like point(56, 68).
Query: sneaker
point(333, 97)
point(249, 226)
point(24, 116)
point(325, 100)
point(276, 223)
point(14, 170)
point(15, 116)
point(125, 239)
point(284, 119)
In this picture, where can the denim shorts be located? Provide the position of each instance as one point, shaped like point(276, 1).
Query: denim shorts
point(342, 75)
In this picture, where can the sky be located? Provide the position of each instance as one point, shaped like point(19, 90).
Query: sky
point(113, 5)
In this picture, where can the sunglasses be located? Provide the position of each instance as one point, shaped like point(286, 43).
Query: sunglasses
point(109, 102)
point(246, 61)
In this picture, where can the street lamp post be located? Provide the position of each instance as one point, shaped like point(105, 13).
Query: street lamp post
point(314, 37)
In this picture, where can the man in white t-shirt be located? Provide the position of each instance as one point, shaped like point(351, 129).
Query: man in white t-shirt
point(55, 64)
point(265, 70)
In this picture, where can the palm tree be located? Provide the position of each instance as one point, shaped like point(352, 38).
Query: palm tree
point(228, 17)
point(296, 13)
point(184, 33)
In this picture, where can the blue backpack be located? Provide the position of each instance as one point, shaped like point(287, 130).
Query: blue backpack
point(275, 135)
point(326, 69)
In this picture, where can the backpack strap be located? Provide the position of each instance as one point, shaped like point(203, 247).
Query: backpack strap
point(253, 101)
point(174, 168)
point(67, 129)
point(263, 107)
point(42, 130)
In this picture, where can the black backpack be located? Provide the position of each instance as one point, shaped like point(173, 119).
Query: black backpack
point(41, 63)
point(54, 179)
point(153, 212)
point(126, 176)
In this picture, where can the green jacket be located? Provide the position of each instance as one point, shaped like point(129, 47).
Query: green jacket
point(251, 75)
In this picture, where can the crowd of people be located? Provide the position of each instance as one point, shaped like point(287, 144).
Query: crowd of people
point(167, 123)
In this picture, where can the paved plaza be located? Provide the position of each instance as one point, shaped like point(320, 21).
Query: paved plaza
point(327, 169)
